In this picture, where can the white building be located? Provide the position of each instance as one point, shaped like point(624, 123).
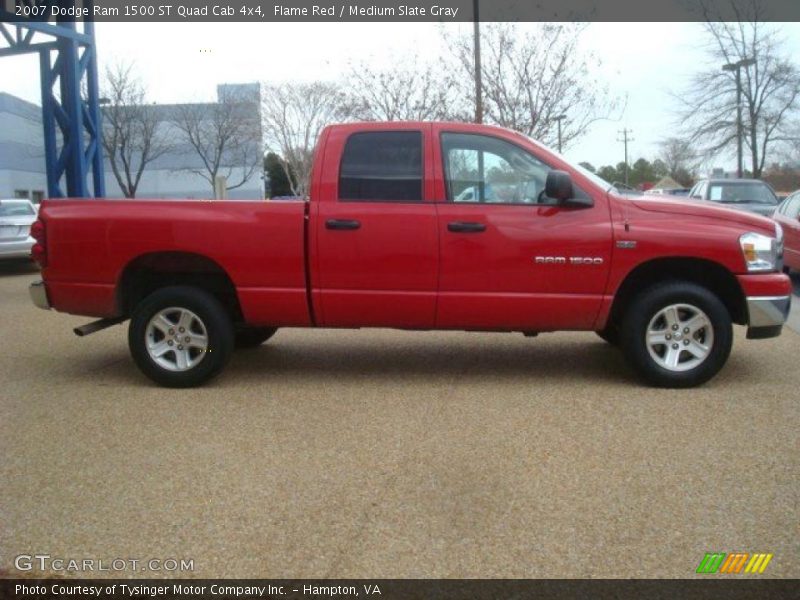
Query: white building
point(22, 172)
point(22, 164)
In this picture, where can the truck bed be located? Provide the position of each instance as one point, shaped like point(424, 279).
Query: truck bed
point(259, 244)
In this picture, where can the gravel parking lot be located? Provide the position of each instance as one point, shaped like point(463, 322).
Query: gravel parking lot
point(392, 454)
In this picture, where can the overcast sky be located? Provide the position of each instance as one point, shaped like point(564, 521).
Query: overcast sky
point(185, 61)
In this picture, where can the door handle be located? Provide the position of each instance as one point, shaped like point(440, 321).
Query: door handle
point(465, 227)
point(342, 224)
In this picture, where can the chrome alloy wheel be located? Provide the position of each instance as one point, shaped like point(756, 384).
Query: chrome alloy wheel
point(176, 339)
point(680, 337)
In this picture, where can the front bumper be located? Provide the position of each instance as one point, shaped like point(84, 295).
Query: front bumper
point(38, 293)
point(766, 315)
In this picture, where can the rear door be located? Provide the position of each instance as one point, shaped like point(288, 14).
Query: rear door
point(374, 238)
point(511, 258)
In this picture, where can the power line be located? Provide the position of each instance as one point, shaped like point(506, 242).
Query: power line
point(625, 132)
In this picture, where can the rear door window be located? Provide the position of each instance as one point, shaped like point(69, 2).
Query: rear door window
point(382, 166)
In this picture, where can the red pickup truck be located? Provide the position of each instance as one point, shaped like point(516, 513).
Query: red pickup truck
point(419, 226)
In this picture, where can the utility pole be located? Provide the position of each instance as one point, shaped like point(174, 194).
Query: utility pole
point(737, 66)
point(625, 139)
point(558, 119)
point(477, 48)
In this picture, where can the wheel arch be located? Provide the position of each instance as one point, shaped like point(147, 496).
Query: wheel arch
point(149, 272)
point(706, 273)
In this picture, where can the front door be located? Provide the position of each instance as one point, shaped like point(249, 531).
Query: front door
point(375, 248)
point(511, 258)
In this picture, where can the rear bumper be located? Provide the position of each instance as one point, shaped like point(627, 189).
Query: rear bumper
point(766, 315)
point(16, 248)
point(38, 293)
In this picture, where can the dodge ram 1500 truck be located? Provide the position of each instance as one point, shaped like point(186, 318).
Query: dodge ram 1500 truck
point(419, 226)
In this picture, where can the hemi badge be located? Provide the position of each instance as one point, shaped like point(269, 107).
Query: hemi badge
point(626, 244)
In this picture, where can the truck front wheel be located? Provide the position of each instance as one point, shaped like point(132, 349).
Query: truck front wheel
point(676, 335)
point(180, 336)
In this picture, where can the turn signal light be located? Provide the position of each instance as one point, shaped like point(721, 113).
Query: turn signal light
point(39, 254)
point(39, 249)
point(37, 231)
point(749, 251)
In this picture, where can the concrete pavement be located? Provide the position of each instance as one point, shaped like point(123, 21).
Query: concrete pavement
point(393, 454)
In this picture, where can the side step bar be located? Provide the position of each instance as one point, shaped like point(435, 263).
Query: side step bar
point(96, 326)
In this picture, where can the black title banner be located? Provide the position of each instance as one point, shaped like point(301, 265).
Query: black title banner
point(444, 11)
point(733, 588)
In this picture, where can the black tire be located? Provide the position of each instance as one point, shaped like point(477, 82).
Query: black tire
point(211, 315)
point(610, 334)
point(252, 337)
point(646, 306)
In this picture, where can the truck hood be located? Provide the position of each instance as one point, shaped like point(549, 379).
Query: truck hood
point(710, 210)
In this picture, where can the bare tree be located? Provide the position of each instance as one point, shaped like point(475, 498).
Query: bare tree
point(770, 87)
point(679, 159)
point(225, 135)
point(293, 115)
point(408, 91)
point(133, 135)
point(532, 76)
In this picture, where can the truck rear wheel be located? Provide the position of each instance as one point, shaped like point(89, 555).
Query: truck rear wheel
point(676, 335)
point(180, 336)
point(252, 337)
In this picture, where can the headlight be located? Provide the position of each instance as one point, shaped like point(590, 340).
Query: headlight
point(760, 252)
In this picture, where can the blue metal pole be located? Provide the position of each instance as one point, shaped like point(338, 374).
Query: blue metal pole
point(70, 58)
point(70, 78)
point(93, 98)
point(49, 123)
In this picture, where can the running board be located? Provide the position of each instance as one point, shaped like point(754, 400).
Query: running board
point(96, 326)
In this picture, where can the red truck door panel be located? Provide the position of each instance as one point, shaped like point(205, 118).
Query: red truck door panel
point(509, 257)
point(374, 242)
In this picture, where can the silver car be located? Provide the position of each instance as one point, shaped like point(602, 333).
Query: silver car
point(16, 217)
point(750, 195)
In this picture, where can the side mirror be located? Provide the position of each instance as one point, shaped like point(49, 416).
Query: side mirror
point(558, 186)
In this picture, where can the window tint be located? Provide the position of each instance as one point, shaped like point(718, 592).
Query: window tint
point(383, 166)
point(481, 168)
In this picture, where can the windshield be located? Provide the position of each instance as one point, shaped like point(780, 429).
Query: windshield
point(742, 193)
point(10, 208)
point(593, 177)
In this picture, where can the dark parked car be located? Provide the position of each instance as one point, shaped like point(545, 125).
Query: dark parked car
point(788, 215)
point(750, 195)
